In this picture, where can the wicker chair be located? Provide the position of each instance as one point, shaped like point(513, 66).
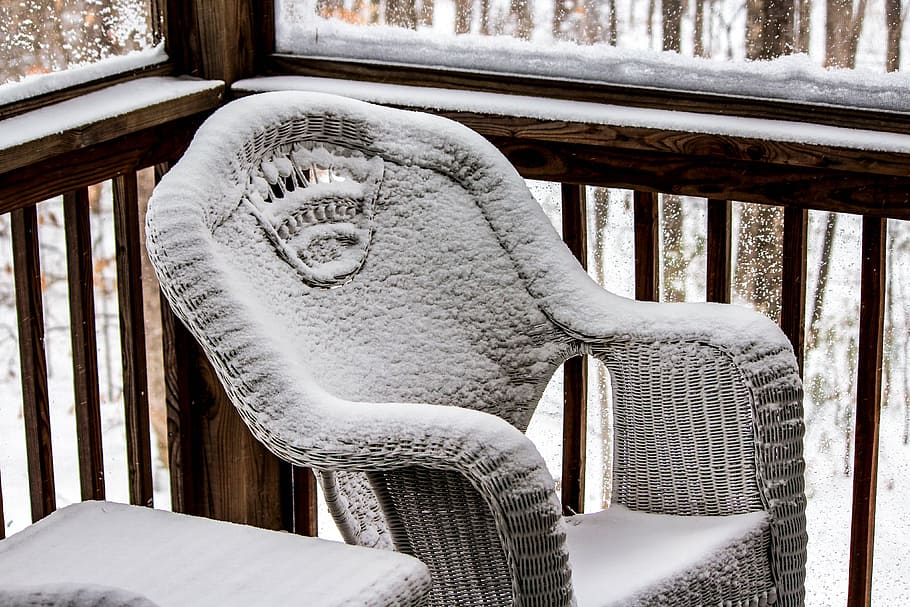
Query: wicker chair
point(349, 268)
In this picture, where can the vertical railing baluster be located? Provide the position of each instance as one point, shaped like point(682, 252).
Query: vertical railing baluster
point(85, 352)
point(132, 338)
point(793, 280)
point(183, 439)
point(574, 433)
point(719, 262)
point(33, 362)
point(868, 410)
point(2, 516)
point(305, 508)
point(647, 245)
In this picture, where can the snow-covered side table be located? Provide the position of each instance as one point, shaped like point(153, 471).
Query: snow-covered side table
point(102, 554)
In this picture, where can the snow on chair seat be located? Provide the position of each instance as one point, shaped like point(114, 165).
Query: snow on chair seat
point(100, 554)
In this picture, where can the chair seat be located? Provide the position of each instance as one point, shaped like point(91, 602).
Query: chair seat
point(623, 557)
point(178, 560)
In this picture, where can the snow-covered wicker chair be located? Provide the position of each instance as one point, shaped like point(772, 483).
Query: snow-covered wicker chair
point(349, 269)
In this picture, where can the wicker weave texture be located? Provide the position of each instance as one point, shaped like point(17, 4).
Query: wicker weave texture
point(348, 268)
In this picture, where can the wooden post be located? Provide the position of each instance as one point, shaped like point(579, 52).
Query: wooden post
point(720, 216)
point(85, 350)
point(214, 39)
point(132, 338)
point(868, 411)
point(33, 362)
point(575, 370)
point(793, 280)
point(647, 246)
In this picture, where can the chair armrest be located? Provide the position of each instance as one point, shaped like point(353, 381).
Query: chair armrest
point(708, 415)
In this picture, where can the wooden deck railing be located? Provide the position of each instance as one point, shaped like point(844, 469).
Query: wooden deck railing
point(218, 470)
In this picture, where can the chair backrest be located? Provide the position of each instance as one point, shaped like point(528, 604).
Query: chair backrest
point(373, 252)
point(379, 247)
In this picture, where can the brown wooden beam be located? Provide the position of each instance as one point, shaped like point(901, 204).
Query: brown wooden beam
point(809, 188)
point(106, 129)
point(80, 276)
point(33, 362)
point(647, 245)
point(719, 262)
point(793, 280)
point(213, 39)
point(575, 371)
point(868, 411)
point(39, 101)
point(132, 338)
point(72, 170)
point(632, 96)
point(686, 143)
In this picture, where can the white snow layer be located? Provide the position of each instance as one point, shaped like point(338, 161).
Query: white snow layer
point(618, 554)
point(585, 112)
point(792, 78)
point(178, 560)
point(40, 84)
point(93, 107)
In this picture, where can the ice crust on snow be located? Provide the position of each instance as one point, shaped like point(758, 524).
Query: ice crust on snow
point(96, 106)
point(789, 78)
point(40, 84)
point(176, 560)
point(585, 112)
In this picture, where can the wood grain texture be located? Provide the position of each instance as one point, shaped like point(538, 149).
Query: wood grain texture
point(107, 129)
point(575, 373)
point(868, 411)
point(80, 277)
point(809, 188)
point(213, 39)
point(39, 101)
point(793, 280)
point(33, 362)
point(132, 338)
point(57, 175)
point(305, 507)
point(631, 96)
point(647, 242)
point(719, 238)
point(684, 143)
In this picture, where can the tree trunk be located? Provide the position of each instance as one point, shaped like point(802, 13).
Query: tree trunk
point(524, 20)
point(769, 32)
point(803, 25)
point(698, 34)
point(895, 23)
point(427, 11)
point(673, 285)
point(842, 29)
point(402, 13)
point(759, 258)
point(464, 10)
point(671, 14)
point(821, 282)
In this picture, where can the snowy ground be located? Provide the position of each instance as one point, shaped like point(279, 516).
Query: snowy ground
point(828, 488)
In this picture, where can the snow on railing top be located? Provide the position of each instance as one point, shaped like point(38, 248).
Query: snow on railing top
point(788, 78)
point(39, 84)
point(586, 112)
